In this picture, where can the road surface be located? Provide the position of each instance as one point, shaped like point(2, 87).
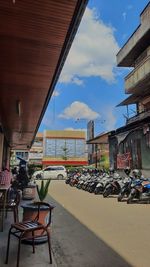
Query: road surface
point(92, 231)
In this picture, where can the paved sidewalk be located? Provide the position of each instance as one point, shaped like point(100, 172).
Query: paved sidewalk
point(73, 245)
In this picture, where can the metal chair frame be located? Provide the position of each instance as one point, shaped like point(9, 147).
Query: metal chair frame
point(20, 230)
point(11, 205)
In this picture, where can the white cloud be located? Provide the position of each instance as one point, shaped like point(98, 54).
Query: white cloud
point(110, 119)
point(77, 81)
point(49, 119)
point(93, 52)
point(124, 14)
point(79, 110)
point(55, 93)
point(129, 7)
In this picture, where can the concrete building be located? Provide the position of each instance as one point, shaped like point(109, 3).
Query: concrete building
point(16, 155)
point(100, 154)
point(130, 144)
point(36, 151)
point(59, 148)
point(33, 156)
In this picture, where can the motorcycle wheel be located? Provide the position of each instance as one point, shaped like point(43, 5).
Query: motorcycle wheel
point(107, 192)
point(96, 191)
point(120, 197)
point(130, 198)
point(89, 190)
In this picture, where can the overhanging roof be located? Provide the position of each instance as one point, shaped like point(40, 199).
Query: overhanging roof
point(99, 139)
point(132, 99)
point(35, 38)
point(137, 124)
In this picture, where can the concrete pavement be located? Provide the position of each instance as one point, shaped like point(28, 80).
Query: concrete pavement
point(123, 228)
point(73, 245)
point(87, 231)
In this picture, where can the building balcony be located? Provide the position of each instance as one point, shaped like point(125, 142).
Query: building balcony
point(137, 42)
point(138, 79)
point(138, 117)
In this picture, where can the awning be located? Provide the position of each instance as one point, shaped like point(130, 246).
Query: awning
point(23, 160)
point(121, 136)
point(35, 38)
point(132, 99)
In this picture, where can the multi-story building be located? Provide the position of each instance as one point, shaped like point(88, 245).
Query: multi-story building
point(64, 148)
point(59, 148)
point(36, 151)
point(130, 144)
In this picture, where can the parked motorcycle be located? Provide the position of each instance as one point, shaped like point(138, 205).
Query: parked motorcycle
point(105, 179)
point(125, 189)
point(139, 190)
point(93, 185)
point(136, 190)
point(114, 187)
point(146, 191)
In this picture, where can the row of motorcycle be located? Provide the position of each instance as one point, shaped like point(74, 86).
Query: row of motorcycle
point(130, 187)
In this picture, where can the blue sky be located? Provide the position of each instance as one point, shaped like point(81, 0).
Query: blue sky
point(91, 85)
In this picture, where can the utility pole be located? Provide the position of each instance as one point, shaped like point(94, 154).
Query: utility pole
point(96, 155)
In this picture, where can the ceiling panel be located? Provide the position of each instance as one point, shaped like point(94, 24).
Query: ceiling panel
point(35, 37)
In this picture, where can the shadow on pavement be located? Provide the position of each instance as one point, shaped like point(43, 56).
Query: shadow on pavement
point(74, 245)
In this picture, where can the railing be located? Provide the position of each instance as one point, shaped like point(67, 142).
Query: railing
point(139, 116)
point(137, 74)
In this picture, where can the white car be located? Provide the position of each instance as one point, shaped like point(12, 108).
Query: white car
point(51, 172)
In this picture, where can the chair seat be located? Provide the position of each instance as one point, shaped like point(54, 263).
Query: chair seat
point(27, 226)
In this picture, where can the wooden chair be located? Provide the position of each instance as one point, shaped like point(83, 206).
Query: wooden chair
point(21, 230)
point(12, 203)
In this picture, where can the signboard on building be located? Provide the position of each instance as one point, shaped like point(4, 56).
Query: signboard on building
point(35, 155)
point(123, 160)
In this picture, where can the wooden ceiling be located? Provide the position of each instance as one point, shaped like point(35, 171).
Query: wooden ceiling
point(35, 37)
